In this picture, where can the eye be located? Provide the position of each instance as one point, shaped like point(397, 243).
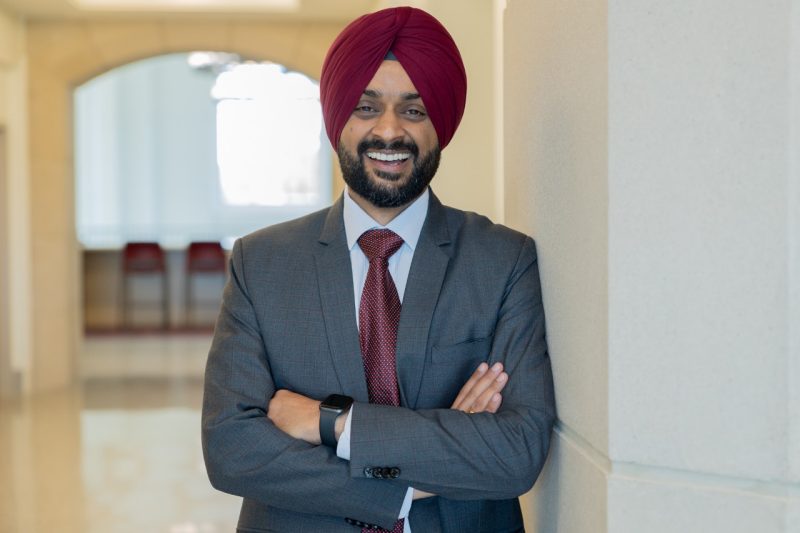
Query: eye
point(365, 110)
point(414, 113)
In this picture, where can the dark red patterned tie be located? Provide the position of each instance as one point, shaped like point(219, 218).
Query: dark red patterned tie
point(378, 316)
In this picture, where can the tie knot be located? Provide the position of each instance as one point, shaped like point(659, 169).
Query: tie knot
point(379, 243)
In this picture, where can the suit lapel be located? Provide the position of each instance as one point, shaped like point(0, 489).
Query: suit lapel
point(425, 279)
point(335, 281)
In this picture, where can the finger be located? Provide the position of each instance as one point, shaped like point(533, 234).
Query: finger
point(487, 382)
point(484, 400)
point(476, 376)
point(494, 403)
point(480, 379)
point(484, 382)
point(465, 389)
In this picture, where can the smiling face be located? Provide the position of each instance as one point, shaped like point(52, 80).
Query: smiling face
point(388, 150)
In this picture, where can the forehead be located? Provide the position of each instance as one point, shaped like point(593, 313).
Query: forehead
point(391, 79)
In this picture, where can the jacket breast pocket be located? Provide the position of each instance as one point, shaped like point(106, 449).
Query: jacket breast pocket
point(451, 366)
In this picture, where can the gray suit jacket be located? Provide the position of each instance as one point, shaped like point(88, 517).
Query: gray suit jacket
point(288, 322)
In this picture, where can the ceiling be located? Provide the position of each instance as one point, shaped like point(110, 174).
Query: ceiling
point(344, 10)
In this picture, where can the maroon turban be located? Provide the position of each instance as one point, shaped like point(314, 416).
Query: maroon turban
point(425, 50)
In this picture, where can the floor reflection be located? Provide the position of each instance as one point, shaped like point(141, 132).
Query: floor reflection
point(115, 455)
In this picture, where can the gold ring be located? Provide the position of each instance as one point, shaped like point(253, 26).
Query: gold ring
point(471, 412)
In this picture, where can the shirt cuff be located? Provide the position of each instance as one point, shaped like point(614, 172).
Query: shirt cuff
point(406, 508)
point(343, 452)
point(343, 446)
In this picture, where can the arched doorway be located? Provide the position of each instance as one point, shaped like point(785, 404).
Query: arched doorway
point(187, 148)
point(63, 55)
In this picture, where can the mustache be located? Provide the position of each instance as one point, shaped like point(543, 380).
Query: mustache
point(377, 144)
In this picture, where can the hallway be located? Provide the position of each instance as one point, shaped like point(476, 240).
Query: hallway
point(119, 454)
point(652, 151)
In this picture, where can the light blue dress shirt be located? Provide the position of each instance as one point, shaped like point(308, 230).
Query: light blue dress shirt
point(408, 225)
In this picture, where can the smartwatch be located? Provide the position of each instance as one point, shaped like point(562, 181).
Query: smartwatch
point(330, 408)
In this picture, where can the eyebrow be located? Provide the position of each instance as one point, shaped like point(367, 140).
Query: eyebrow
point(404, 96)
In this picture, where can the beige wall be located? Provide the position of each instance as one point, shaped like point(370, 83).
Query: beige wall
point(703, 266)
point(14, 250)
point(6, 382)
point(651, 149)
point(555, 74)
point(466, 178)
point(6, 34)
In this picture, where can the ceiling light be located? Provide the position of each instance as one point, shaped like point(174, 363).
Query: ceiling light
point(183, 5)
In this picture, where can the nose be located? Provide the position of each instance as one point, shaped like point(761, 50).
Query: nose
point(388, 128)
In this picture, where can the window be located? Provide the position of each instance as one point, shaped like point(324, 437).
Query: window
point(269, 133)
point(200, 146)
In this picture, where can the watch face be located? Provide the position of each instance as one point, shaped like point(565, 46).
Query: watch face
point(337, 401)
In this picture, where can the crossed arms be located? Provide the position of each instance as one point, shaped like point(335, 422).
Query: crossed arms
point(298, 415)
point(256, 447)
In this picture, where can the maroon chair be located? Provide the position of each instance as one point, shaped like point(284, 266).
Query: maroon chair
point(141, 259)
point(202, 258)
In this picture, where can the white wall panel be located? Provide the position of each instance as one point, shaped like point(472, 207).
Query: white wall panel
point(661, 183)
point(698, 285)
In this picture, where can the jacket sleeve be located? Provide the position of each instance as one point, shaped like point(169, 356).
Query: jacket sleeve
point(246, 455)
point(479, 456)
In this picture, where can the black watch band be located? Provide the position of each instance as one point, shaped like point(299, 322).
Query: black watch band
point(329, 410)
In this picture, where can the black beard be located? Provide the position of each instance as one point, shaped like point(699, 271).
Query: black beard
point(382, 196)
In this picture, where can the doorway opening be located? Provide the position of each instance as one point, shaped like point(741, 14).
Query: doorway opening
point(199, 147)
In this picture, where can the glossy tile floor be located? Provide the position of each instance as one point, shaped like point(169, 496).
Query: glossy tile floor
point(120, 453)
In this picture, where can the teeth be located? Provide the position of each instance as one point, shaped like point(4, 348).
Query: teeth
point(388, 157)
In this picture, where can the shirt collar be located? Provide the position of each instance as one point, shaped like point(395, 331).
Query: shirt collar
point(408, 224)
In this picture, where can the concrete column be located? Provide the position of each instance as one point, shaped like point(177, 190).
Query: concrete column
point(652, 151)
point(556, 161)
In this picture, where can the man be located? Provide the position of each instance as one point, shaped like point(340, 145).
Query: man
point(425, 323)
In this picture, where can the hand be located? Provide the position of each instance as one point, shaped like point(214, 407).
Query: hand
point(481, 392)
point(296, 415)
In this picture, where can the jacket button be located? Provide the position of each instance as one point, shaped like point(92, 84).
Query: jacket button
point(368, 472)
point(386, 472)
point(394, 472)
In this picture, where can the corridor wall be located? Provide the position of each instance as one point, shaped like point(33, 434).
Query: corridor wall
point(15, 310)
point(652, 150)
